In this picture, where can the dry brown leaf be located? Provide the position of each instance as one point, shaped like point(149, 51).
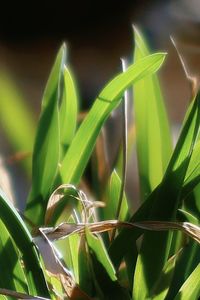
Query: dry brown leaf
point(65, 229)
point(55, 267)
point(193, 79)
point(190, 229)
point(54, 199)
point(17, 295)
point(59, 193)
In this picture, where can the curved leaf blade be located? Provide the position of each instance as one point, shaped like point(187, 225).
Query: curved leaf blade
point(23, 240)
point(68, 109)
point(12, 275)
point(82, 145)
point(165, 195)
point(191, 287)
point(46, 153)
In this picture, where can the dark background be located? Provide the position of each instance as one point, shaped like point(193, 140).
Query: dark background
point(97, 34)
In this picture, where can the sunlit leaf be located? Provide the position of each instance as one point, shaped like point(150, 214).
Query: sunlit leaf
point(46, 153)
point(153, 138)
point(83, 143)
point(12, 275)
point(23, 240)
point(162, 285)
point(112, 197)
point(68, 110)
point(167, 196)
point(185, 265)
point(191, 287)
point(103, 270)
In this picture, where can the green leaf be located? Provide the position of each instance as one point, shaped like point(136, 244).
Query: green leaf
point(153, 140)
point(68, 110)
point(97, 247)
point(23, 240)
point(85, 275)
point(162, 285)
point(103, 270)
point(189, 217)
point(191, 287)
point(83, 143)
point(185, 265)
point(70, 252)
point(16, 119)
point(191, 202)
point(192, 177)
point(156, 246)
point(112, 199)
point(12, 275)
point(46, 153)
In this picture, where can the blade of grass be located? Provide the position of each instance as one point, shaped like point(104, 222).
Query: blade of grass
point(191, 287)
point(103, 271)
point(185, 265)
point(112, 199)
point(155, 248)
point(46, 153)
point(70, 252)
point(68, 110)
point(82, 145)
point(161, 287)
point(12, 275)
point(192, 177)
point(96, 245)
point(153, 139)
point(23, 240)
point(85, 275)
point(181, 157)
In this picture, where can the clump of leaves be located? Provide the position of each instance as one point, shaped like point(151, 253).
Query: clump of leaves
point(80, 242)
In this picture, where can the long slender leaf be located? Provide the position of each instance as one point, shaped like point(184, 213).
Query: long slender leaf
point(12, 275)
point(161, 287)
point(153, 140)
point(96, 245)
point(24, 242)
point(191, 287)
point(82, 145)
point(112, 200)
point(46, 153)
point(104, 273)
point(178, 166)
point(68, 109)
point(186, 263)
point(70, 252)
point(155, 247)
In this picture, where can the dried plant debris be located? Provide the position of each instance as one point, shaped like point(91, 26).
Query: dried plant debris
point(18, 295)
point(65, 229)
point(87, 206)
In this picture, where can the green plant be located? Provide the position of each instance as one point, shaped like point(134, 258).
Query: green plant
point(102, 257)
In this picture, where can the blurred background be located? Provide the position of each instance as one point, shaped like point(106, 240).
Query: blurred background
point(98, 34)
